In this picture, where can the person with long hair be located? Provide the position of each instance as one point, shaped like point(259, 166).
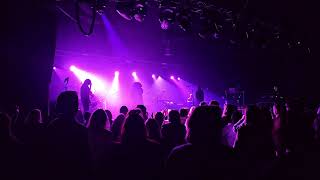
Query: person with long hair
point(135, 156)
point(254, 143)
point(203, 157)
point(33, 129)
point(100, 140)
point(153, 130)
point(85, 93)
point(117, 127)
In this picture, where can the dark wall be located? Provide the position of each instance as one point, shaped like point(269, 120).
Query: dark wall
point(26, 67)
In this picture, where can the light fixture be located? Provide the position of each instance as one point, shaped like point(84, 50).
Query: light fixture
point(167, 17)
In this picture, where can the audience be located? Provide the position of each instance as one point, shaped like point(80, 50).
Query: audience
point(116, 127)
point(100, 140)
point(203, 157)
point(32, 131)
point(109, 124)
point(136, 157)
point(203, 103)
point(153, 130)
point(159, 117)
point(183, 115)
point(173, 133)
point(144, 111)
point(254, 143)
point(9, 152)
point(278, 131)
point(80, 118)
point(268, 142)
point(124, 110)
point(214, 103)
point(228, 110)
point(228, 133)
point(68, 140)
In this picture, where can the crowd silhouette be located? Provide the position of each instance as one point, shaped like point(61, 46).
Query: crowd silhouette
point(203, 142)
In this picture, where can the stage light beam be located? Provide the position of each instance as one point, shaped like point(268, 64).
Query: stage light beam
point(153, 76)
point(172, 77)
point(135, 76)
point(98, 84)
point(179, 78)
point(72, 68)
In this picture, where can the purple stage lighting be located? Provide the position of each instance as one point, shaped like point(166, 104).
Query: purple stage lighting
point(54, 68)
point(172, 77)
point(135, 76)
point(179, 78)
point(116, 73)
point(153, 76)
point(72, 68)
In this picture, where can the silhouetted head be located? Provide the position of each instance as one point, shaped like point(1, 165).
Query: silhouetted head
point(98, 120)
point(153, 129)
point(184, 112)
point(134, 130)
point(159, 117)
point(144, 111)
point(117, 126)
point(87, 82)
point(174, 117)
point(203, 103)
point(67, 103)
point(214, 103)
point(183, 115)
point(204, 126)
point(34, 118)
point(124, 110)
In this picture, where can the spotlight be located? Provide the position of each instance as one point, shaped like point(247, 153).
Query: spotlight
point(125, 9)
point(153, 76)
point(72, 68)
point(54, 68)
point(179, 78)
point(116, 73)
point(132, 9)
point(134, 74)
point(172, 77)
point(167, 17)
point(140, 11)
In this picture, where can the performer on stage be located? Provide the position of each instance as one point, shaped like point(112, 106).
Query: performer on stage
point(136, 94)
point(85, 93)
point(199, 96)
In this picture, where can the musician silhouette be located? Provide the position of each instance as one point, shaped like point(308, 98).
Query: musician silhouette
point(136, 93)
point(85, 93)
point(199, 96)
